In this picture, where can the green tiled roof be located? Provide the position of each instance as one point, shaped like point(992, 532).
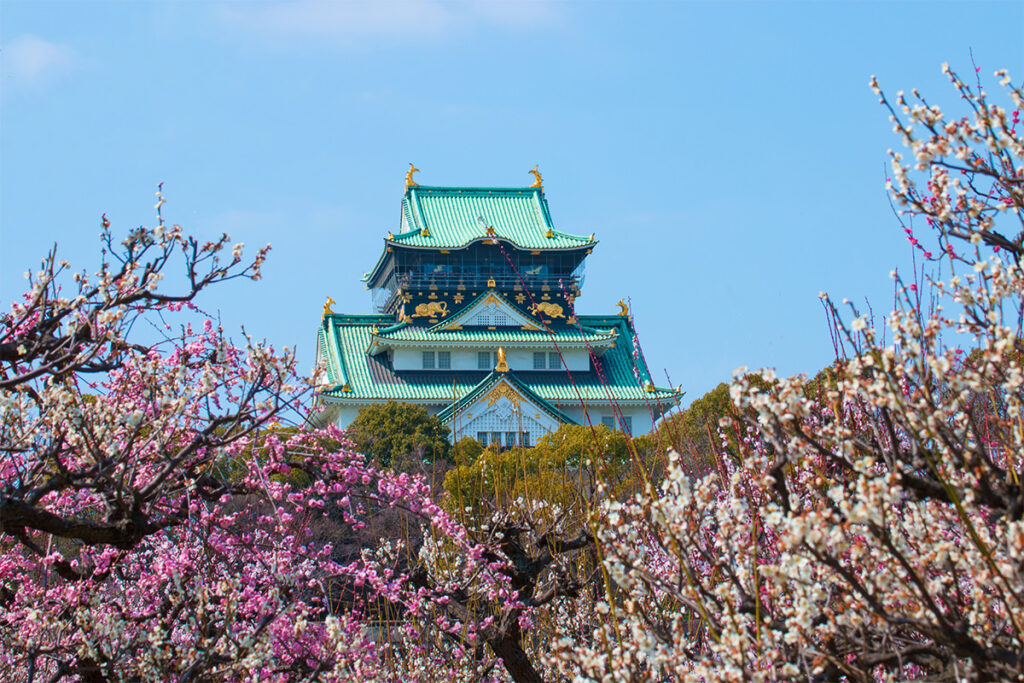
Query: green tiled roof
point(562, 335)
point(344, 340)
point(568, 335)
point(451, 410)
point(449, 218)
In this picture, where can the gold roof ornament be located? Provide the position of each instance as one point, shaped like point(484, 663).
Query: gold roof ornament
point(537, 180)
point(327, 307)
point(490, 282)
point(409, 182)
point(623, 307)
point(390, 237)
point(549, 309)
point(502, 365)
point(650, 388)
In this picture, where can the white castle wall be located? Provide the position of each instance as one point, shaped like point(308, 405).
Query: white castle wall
point(462, 359)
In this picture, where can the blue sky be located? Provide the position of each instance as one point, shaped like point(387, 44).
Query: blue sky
point(729, 155)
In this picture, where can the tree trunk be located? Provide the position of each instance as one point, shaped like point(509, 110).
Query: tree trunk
point(516, 662)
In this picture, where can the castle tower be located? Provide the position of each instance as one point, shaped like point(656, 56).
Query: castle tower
point(475, 295)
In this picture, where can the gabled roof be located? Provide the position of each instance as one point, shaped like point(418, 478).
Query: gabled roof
point(474, 307)
point(454, 217)
point(459, 330)
point(492, 380)
point(345, 338)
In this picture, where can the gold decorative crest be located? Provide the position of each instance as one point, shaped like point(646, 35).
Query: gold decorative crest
point(409, 182)
point(502, 365)
point(503, 390)
point(537, 179)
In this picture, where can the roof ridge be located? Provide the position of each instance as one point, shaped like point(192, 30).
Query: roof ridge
point(473, 188)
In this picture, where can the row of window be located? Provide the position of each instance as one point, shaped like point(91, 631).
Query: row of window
point(485, 360)
point(627, 423)
point(444, 360)
point(510, 439)
point(554, 362)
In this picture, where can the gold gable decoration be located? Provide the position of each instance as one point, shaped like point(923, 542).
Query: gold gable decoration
point(502, 365)
point(502, 390)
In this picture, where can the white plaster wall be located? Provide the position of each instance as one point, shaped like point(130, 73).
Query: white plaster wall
point(345, 416)
point(466, 359)
point(642, 423)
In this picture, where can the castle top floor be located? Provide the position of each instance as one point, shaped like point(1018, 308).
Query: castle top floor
point(470, 239)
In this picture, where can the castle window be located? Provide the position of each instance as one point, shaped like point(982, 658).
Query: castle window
point(539, 358)
point(444, 359)
point(511, 438)
point(627, 424)
point(482, 438)
point(554, 362)
point(524, 439)
point(428, 360)
point(483, 360)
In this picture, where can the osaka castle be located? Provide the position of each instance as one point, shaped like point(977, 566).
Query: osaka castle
point(475, 293)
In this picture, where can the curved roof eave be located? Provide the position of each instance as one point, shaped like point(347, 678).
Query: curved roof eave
point(372, 275)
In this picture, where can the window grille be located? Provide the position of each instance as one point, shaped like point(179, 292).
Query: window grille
point(483, 360)
point(539, 358)
point(511, 438)
point(554, 362)
point(525, 439)
point(482, 438)
point(496, 437)
point(627, 424)
point(428, 360)
point(608, 421)
point(444, 359)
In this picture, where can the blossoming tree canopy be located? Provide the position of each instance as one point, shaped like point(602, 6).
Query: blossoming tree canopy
point(156, 525)
point(869, 528)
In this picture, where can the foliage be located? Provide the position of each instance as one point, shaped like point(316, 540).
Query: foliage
point(561, 469)
point(693, 433)
point(400, 435)
point(466, 450)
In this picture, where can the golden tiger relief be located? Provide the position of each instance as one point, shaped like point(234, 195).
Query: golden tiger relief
point(431, 309)
point(548, 309)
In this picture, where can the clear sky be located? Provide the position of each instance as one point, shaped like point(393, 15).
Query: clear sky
point(729, 156)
